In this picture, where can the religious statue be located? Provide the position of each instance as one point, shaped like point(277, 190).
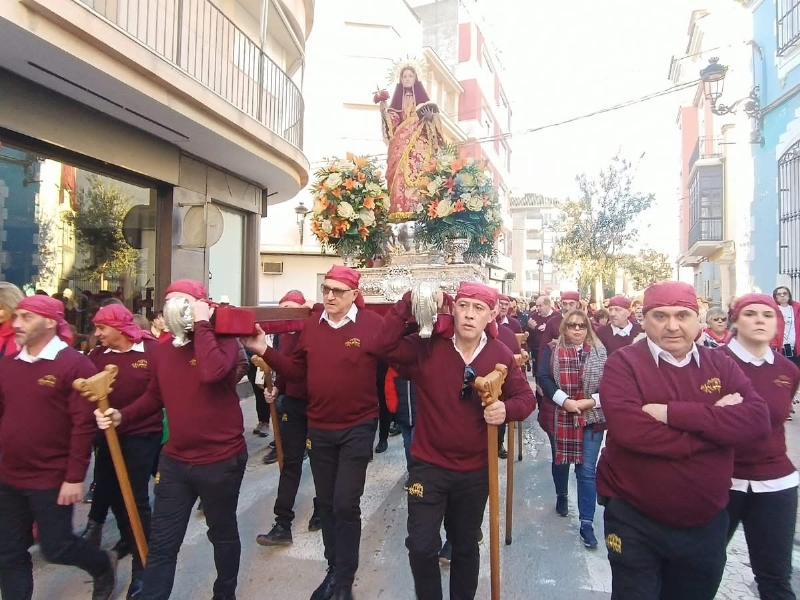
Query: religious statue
point(412, 130)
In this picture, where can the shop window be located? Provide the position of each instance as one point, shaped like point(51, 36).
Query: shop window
point(76, 235)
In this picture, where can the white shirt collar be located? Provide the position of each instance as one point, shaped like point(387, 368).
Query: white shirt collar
point(504, 321)
point(748, 357)
point(350, 316)
point(624, 332)
point(135, 348)
point(661, 354)
point(481, 345)
point(49, 352)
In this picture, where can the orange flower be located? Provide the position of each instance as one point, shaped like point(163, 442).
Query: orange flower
point(378, 174)
point(363, 232)
point(431, 166)
point(320, 204)
point(350, 156)
point(361, 161)
point(369, 203)
point(423, 182)
point(432, 210)
point(361, 177)
point(450, 183)
point(459, 206)
point(349, 183)
point(456, 165)
point(337, 193)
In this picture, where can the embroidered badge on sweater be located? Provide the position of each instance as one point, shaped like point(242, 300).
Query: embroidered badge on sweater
point(614, 543)
point(712, 386)
point(48, 380)
point(354, 342)
point(140, 364)
point(783, 381)
point(193, 362)
point(416, 490)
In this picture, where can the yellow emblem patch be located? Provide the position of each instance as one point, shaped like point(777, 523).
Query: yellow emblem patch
point(416, 489)
point(712, 386)
point(308, 444)
point(48, 380)
point(193, 362)
point(158, 477)
point(353, 342)
point(783, 381)
point(285, 418)
point(140, 364)
point(614, 543)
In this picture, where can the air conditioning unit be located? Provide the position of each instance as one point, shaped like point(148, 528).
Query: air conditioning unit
point(272, 268)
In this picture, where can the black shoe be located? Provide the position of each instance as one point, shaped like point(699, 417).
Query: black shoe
point(502, 452)
point(344, 594)
point(134, 589)
point(87, 499)
point(315, 522)
point(325, 589)
point(277, 536)
point(122, 549)
point(104, 584)
point(271, 456)
point(394, 430)
point(562, 506)
point(382, 446)
point(93, 533)
point(587, 535)
point(446, 554)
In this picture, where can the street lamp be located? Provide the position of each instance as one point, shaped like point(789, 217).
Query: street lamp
point(302, 212)
point(713, 78)
point(540, 264)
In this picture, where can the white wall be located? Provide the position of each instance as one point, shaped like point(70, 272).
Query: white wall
point(299, 273)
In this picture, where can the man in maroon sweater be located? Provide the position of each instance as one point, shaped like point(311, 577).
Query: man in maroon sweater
point(537, 322)
point(504, 317)
point(293, 399)
point(124, 344)
point(569, 301)
point(674, 412)
point(46, 433)
point(620, 331)
point(205, 455)
point(336, 351)
point(448, 478)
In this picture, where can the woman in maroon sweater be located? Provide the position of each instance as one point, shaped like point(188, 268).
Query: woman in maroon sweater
point(449, 472)
point(763, 496)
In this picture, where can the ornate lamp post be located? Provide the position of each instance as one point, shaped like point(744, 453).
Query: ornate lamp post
point(302, 212)
point(713, 78)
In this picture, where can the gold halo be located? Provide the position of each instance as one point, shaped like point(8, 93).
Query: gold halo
point(419, 65)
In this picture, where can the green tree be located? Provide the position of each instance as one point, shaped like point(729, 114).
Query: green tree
point(599, 228)
point(101, 209)
point(648, 267)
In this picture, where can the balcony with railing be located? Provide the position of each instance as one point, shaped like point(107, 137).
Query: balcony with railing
point(199, 39)
point(706, 148)
point(706, 230)
point(706, 214)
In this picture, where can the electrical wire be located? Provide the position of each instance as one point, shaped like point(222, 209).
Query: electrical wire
point(523, 132)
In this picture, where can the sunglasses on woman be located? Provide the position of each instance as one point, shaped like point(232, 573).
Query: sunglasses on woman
point(577, 326)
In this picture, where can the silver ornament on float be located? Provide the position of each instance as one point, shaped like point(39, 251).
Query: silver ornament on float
point(179, 320)
point(424, 306)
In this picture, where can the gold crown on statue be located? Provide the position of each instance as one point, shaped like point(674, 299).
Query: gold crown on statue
point(419, 66)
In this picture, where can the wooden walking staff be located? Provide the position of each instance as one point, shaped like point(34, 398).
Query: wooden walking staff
point(96, 389)
point(273, 410)
point(510, 483)
point(489, 388)
point(522, 338)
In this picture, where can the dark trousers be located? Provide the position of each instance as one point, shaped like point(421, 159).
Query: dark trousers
point(385, 418)
point(339, 460)
point(560, 473)
point(650, 561)
point(262, 407)
point(19, 509)
point(458, 498)
point(180, 484)
point(768, 520)
point(294, 432)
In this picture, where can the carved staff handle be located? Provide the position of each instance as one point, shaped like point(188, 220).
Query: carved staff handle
point(273, 410)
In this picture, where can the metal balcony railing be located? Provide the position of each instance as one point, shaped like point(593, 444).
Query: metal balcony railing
point(706, 147)
point(705, 230)
point(197, 38)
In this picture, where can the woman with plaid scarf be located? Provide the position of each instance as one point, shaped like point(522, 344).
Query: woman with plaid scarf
point(570, 369)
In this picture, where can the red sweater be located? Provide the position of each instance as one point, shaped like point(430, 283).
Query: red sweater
point(535, 338)
point(677, 474)
point(550, 332)
point(294, 388)
point(450, 432)
point(342, 370)
point(509, 338)
point(615, 342)
point(132, 382)
point(513, 324)
point(196, 383)
point(776, 383)
point(46, 427)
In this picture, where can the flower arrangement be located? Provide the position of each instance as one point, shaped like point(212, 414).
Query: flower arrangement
point(458, 200)
point(350, 208)
point(380, 96)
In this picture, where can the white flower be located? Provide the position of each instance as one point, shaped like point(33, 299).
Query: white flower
point(419, 208)
point(327, 226)
point(345, 210)
point(367, 217)
point(434, 185)
point(347, 165)
point(473, 203)
point(334, 180)
point(444, 208)
point(372, 188)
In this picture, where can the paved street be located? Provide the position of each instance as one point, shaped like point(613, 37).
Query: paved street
point(546, 559)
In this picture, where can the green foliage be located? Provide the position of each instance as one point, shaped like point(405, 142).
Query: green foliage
point(599, 228)
point(648, 267)
point(98, 229)
point(458, 200)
